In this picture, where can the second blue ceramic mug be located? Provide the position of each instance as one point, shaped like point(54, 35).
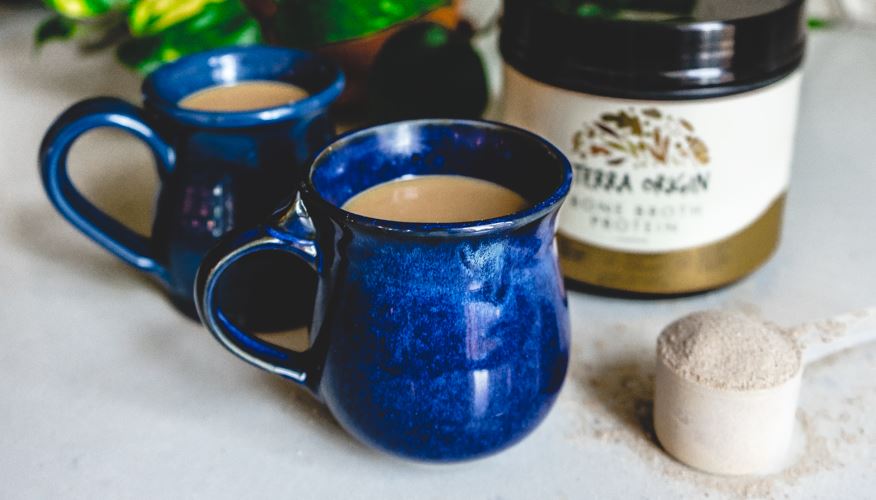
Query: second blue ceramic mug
point(218, 170)
point(437, 342)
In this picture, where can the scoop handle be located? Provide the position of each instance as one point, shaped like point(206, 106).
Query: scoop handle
point(823, 338)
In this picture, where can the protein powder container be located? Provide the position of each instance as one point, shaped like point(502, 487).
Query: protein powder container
point(678, 117)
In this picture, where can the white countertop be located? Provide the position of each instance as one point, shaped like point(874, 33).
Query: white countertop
point(107, 392)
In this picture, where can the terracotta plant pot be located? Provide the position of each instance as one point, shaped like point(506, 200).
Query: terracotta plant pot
point(354, 56)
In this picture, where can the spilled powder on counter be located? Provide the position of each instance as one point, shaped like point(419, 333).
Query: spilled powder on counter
point(828, 330)
point(610, 392)
point(728, 350)
point(617, 408)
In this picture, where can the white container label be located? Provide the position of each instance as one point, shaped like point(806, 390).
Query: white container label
point(660, 176)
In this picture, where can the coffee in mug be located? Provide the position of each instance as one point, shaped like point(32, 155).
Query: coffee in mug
point(219, 170)
point(434, 341)
point(436, 198)
point(244, 96)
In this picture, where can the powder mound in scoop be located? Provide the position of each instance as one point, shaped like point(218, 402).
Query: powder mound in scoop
point(728, 350)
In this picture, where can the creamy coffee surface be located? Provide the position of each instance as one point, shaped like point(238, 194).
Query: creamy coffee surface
point(436, 198)
point(244, 96)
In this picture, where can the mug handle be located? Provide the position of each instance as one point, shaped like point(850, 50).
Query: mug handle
point(294, 234)
point(109, 233)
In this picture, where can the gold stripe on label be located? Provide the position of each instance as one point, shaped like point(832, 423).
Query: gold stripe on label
point(682, 271)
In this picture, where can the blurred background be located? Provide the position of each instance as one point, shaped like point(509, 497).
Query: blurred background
point(429, 57)
point(406, 49)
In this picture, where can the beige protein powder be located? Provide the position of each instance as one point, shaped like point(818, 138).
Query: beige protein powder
point(728, 350)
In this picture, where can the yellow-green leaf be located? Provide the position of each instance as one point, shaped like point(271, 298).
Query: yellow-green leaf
point(149, 17)
point(218, 24)
point(82, 9)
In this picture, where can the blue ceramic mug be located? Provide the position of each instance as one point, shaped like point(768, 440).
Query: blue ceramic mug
point(436, 342)
point(218, 170)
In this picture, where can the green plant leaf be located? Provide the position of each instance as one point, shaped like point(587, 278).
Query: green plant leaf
point(140, 54)
point(816, 23)
point(309, 23)
point(149, 17)
point(218, 24)
point(83, 9)
point(56, 27)
point(651, 10)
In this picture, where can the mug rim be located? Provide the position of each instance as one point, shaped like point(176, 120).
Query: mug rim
point(492, 225)
point(227, 119)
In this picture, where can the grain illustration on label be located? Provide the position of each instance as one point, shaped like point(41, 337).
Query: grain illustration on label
point(640, 175)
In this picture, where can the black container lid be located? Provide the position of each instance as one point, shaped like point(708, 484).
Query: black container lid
point(685, 49)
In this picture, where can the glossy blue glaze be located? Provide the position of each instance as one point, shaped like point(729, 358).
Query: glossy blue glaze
point(435, 342)
point(218, 170)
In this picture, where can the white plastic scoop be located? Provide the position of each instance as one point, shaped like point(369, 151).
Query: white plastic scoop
point(726, 396)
